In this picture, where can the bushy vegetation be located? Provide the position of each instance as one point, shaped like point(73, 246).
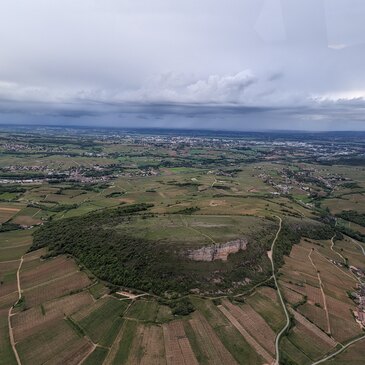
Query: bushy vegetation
point(291, 233)
point(353, 216)
point(56, 208)
point(100, 243)
point(8, 226)
point(182, 307)
point(11, 189)
point(351, 233)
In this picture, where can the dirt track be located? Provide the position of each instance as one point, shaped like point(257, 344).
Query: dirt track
point(271, 254)
point(11, 335)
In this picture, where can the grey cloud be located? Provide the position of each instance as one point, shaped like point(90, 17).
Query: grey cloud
point(243, 62)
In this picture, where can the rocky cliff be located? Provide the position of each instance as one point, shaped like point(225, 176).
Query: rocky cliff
point(218, 251)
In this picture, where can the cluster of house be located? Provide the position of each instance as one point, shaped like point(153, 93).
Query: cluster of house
point(359, 296)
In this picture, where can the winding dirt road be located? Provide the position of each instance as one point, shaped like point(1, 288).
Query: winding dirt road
point(11, 335)
point(271, 254)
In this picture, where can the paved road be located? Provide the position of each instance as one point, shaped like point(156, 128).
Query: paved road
point(271, 255)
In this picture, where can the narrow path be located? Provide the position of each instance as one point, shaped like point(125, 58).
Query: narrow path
point(93, 347)
point(252, 342)
point(18, 276)
point(11, 335)
point(6, 262)
point(357, 243)
point(353, 277)
point(36, 212)
point(7, 247)
point(51, 281)
point(337, 253)
point(186, 225)
point(339, 351)
point(271, 254)
point(322, 291)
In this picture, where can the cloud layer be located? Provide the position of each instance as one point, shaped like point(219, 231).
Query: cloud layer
point(262, 64)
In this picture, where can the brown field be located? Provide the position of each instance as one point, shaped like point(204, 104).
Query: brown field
point(314, 329)
point(337, 292)
point(6, 212)
point(6, 301)
point(72, 355)
point(33, 256)
point(340, 308)
point(293, 353)
point(41, 347)
point(352, 250)
point(330, 273)
point(8, 287)
point(314, 314)
point(46, 271)
point(177, 346)
point(295, 287)
point(33, 320)
point(229, 333)
point(208, 341)
point(314, 295)
point(9, 266)
point(249, 339)
point(147, 346)
point(353, 355)
point(57, 288)
point(254, 324)
point(87, 310)
point(29, 322)
point(15, 239)
point(153, 346)
point(304, 339)
point(344, 329)
point(300, 278)
point(6, 352)
point(268, 292)
point(26, 220)
point(291, 296)
point(337, 205)
point(69, 304)
point(298, 267)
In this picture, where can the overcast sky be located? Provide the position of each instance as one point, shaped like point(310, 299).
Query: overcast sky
point(221, 64)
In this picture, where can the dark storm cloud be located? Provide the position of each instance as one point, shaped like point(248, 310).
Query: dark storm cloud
point(245, 64)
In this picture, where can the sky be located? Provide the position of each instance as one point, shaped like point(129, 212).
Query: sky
point(216, 64)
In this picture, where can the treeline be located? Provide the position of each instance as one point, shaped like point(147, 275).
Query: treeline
point(8, 226)
point(110, 254)
point(99, 241)
point(12, 189)
point(291, 233)
point(57, 208)
point(351, 233)
point(352, 216)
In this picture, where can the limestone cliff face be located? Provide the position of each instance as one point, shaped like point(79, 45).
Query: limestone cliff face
point(218, 251)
